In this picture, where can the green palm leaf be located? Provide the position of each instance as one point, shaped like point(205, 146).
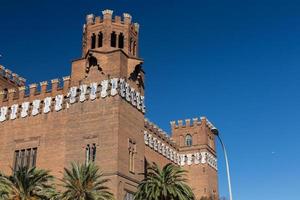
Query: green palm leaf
point(168, 183)
point(85, 182)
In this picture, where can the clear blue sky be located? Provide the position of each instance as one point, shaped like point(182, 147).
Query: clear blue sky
point(236, 62)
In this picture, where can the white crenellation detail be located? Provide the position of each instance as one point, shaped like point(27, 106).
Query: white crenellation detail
point(35, 107)
point(193, 158)
point(14, 111)
point(122, 88)
point(133, 97)
point(47, 105)
point(3, 113)
point(83, 91)
point(159, 146)
point(146, 140)
point(127, 92)
point(143, 107)
point(93, 91)
point(150, 141)
point(114, 86)
point(138, 100)
point(58, 102)
point(155, 144)
point(25, 108)
point(104, 86)
point(39, 106)
point(72, 94)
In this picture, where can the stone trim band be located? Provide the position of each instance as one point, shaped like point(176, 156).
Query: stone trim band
point(76, 94)
point(198, 157)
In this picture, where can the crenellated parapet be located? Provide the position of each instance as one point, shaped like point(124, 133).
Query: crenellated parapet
point(107, 17)
point(188, 123)
point(11, 77)
point(160, 142)
point(158, 132)
point(41, 101)
point(34, 91)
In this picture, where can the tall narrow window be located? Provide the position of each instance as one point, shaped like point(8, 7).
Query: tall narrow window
point(100, 39)
point(121, 40)
point(17, 159)
point(130, 44)
point(87, 154)
point(94, 152)
point(90, 153)
point(188, 140)
point(25, 158)
point(33, 157)
point(134, 48)
point(132, 152)
point(93, 41)
point(113, 39)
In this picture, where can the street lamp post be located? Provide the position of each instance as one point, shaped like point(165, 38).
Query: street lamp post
point(216, 132)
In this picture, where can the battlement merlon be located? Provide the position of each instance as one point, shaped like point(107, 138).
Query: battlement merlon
point(17, 95)
point(11, 77)
point(191, 123)
point(107, 18)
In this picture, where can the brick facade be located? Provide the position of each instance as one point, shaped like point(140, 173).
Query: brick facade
point(101, 105)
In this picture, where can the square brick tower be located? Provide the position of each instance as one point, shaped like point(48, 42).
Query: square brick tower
point(196, 144)
point(110, 51)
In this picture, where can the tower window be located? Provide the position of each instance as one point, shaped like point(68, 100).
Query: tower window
point(90, 153)
point(132, 152)
point(188, 140)
point(121, 40)
point(93, 41)
point(134, 48)
point(130, 44)
point(100, 39)
point(113, 39)
point(25, 158)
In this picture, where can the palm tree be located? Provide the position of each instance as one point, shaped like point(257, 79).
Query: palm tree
point(4, 187)
point(166, 184)
point(26, 184)
point(85, 182)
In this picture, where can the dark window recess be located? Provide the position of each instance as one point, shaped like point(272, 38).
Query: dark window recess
point(121, 40)
point(25, 158)
point(188, 140)
point(134, 48)
point(113, 39)
point(100, 39)
point(93, 41)
point(90, 153)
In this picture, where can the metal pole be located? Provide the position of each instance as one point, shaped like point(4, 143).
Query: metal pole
point(227, 167)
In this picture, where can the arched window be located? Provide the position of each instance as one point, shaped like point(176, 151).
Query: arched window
point(100, 39)
point(121, 40)
point(93, 41)
point(188, 140)
point(113, 39)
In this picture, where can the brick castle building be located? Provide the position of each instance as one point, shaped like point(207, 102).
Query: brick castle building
point(98, 114)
